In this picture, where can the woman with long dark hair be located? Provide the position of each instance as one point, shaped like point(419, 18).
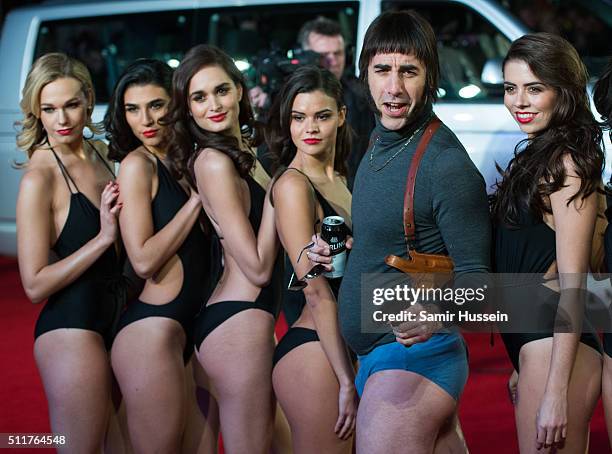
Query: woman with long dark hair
point(602, 95)
point(213, 136)
point(67, 209)
point(166, 246)
point(545, 210)
point(309, 137)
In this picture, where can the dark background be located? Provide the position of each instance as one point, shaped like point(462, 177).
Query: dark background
point(587, 24)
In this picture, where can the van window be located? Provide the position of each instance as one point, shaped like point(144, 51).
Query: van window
point(257, 33)
point(466, 41)
point(243, 32)
point(107, 44)
point(587, 24)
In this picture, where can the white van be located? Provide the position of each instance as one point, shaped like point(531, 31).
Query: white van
point(473, 36)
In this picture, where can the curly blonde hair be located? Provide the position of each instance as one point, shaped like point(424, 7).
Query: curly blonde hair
point(45, 70)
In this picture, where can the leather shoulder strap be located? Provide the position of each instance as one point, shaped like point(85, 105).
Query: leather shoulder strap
point(409, 227)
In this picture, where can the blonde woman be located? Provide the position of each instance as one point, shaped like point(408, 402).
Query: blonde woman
point(67, 209)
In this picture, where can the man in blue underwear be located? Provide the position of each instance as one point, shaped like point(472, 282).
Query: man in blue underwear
point(410, 377)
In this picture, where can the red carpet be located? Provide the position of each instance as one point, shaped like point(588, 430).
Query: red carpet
point(486, 413)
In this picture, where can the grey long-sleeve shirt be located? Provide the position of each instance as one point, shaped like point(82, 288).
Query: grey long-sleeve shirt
point(451, 216)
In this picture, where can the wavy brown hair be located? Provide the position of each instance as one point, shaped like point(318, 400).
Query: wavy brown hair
point(278, 131)
point(185, 137)
point(537, 169)
point(144, 71)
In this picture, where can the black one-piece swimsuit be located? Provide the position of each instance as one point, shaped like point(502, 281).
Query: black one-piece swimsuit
point(530, 247)
point(269, 298)
point(294, 301)
point(94, 300)
point(193, 254)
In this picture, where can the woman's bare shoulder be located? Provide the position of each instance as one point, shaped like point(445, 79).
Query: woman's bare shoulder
point(292, 186)
point(38, 179)
point(137, 160)
point(41, 165)
point(213, 162)
point(292, 178)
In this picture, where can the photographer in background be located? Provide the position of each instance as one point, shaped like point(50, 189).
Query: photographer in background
point(324, 36)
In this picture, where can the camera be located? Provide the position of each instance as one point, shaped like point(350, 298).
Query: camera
point(272, 67)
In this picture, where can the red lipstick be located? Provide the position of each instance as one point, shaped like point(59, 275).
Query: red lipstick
point(525, 117)
point(218, 118)
point(150, 133)
point(64, 132)
point(312, 141)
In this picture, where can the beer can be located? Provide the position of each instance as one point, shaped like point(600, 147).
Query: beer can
point(334, 232)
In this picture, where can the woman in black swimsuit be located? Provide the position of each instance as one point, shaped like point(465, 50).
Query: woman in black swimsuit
point(545, 211)
point(166, 246)
point(212, 142)
point(68, 206)
point(313, 375)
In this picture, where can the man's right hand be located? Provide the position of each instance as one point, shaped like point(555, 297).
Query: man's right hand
point(409, 333)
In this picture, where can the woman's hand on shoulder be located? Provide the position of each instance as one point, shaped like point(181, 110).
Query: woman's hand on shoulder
point(194, 196)
point(109, 213)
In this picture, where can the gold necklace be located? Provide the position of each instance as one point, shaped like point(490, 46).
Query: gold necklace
point(401, 148)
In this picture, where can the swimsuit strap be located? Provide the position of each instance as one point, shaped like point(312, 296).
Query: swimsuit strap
point(320, 198)
point(316, 193)
point(64, 172)
point(298, 170)
point(279, 174)
point(101, 158)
